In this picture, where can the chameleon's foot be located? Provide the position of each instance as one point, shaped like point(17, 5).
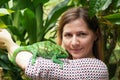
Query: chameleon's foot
point(62, 63)
point(67, 61)
point(61, 66)
point(32, 61)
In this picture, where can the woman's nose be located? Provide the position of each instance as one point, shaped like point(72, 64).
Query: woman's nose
point(75, 41)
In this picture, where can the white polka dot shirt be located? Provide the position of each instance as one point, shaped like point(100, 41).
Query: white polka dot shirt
point(78, 69)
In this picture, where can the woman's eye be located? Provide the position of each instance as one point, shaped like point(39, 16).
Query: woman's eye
point(82, 34)
point(68, 35)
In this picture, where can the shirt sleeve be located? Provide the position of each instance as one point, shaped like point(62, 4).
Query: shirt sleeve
point(78, 69)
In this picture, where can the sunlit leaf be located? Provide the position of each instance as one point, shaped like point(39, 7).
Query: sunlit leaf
point(29, 23)
point(2, 25)
point(55, 14)
point(98, 5)
point(4, 11)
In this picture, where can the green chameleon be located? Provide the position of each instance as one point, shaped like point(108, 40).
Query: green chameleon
point(45, 49)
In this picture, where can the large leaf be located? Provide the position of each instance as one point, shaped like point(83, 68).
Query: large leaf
point(113, 18)
point(98, 5)
point(39, 19)
point(4, 11)
point(17, 18)
point(55, 14)
point(29, 23)
point(56, 8)
point(52, 17)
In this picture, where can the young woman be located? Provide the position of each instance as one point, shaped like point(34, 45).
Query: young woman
point(80, 35)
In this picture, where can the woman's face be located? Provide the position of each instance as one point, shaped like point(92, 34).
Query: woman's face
point(78, 39)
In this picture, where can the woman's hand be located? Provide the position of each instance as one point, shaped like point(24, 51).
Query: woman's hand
point(6, 41)
point(5, 37)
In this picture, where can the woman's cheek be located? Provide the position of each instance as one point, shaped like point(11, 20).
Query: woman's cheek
point(65, 43)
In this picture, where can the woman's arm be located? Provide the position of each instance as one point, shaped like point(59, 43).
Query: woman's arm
point(6, 42)
point(23, 58)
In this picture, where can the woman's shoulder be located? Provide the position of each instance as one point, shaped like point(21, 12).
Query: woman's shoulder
point(92, 67)
point(89, 62)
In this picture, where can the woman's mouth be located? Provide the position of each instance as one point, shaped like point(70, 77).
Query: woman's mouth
point(76, 50)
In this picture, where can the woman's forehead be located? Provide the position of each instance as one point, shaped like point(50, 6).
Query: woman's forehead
point(78, 23)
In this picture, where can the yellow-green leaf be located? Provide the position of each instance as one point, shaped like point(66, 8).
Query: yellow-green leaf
point(114, 18)
point(4, 11)
point(2, 25)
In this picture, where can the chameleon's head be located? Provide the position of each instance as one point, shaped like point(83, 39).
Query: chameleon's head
point(58, 50)
point(64, 54)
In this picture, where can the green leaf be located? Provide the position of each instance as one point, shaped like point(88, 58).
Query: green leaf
point(98, 5)
point(4, 11)
point(56, 8)
point(2, 25)
point(55, 14)
point(39, 20)
point(29, 22)
point(105, 4)
point(114, 18)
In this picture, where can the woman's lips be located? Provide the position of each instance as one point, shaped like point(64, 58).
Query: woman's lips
point(76, 50)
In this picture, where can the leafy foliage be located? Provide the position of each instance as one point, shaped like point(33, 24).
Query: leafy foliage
point(98, 5)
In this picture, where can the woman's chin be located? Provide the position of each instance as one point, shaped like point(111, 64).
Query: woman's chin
point(77, 56)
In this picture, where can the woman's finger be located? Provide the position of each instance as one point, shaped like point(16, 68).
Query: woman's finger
point(2, 45)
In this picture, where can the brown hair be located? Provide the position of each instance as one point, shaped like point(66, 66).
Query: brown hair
point(76, 13)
